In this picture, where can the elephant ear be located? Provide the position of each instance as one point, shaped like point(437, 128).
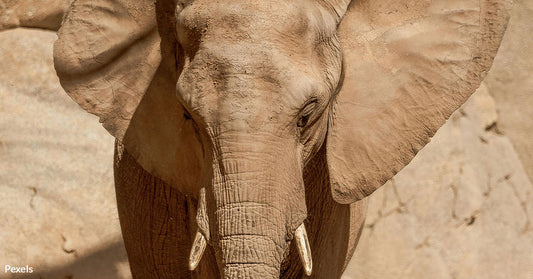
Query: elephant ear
point(111, 60)
point(408, 65)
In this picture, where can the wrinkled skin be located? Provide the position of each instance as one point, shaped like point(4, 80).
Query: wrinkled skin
point(158, 229)
point(261, 116)
point(282, 113)
point(271, 117)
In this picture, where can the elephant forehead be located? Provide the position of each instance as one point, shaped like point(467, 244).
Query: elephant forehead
point(234, 96)
point(243, 20)
point(254, 62)
point(243, 74)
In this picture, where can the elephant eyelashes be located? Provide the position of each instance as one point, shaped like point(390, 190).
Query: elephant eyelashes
point(306, 113)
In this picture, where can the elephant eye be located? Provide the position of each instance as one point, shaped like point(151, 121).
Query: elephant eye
point(306, 112)
point(302, 122)
point(186, 114)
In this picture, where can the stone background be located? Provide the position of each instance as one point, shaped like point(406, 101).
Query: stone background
point(461, 209)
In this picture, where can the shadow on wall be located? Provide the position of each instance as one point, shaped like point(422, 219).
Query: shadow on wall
point(107, 262)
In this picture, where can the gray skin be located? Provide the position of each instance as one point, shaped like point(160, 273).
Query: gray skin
point(282, 112)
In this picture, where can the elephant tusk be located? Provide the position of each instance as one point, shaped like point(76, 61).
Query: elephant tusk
point(202, 234)
point(201, 215)
point(304, 249)
point(197, 251)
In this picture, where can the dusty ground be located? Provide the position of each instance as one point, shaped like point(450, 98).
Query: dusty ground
point(462, 209)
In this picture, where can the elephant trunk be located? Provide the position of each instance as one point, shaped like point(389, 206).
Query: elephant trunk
point(251, 236)
point(259, 202)
point(250, 256)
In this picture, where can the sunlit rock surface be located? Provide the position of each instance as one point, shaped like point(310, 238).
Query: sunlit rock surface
point(57, 201)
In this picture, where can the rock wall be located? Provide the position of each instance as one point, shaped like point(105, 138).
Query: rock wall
point(32, 13)
point(510, 82)
point(57, 202)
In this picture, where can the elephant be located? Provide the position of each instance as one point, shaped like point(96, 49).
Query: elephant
point(248, 133)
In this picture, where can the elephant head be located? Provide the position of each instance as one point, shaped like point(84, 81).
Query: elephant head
point(228, 101)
